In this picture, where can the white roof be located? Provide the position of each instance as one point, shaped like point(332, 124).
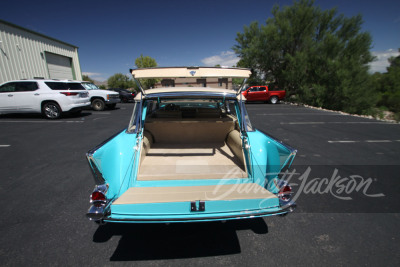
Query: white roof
point(183, 90)
point(189, 72)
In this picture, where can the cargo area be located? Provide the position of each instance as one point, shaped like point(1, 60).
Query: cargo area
point(204, 147)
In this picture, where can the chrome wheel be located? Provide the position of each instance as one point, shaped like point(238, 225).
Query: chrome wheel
point(51, 110)
point(274, 100)
point(98, 104)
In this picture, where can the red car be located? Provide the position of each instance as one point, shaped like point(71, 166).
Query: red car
point(262, 93)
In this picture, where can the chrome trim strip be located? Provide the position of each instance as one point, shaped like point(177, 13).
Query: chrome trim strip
point(96, 213)
point(289, 207)
point(138, 84)
point(138, 121)
point(97, 175)
point(243, 117)
point(241, 87)
point(193, 94)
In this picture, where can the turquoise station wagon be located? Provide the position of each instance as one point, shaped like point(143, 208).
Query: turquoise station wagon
point(188, 155)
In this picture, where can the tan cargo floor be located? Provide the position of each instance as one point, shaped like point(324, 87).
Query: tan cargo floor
point(140, 195)
point(190, 161)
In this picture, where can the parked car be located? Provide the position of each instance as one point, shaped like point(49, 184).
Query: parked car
point(263, 93)
point(189, 154)
point(125, 95)
point(99, 98)
point(49, 97)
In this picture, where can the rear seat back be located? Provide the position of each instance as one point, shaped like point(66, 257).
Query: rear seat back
point(197, 130)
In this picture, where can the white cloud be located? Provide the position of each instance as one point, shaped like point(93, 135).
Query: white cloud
point(95, 76)
point(225, 59)
point(91, 73)
point(381, 61)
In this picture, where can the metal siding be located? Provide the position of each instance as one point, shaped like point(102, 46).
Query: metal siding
point(29, 61)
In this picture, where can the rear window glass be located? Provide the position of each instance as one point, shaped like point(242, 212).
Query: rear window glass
point(64, 86)
point(76, 86)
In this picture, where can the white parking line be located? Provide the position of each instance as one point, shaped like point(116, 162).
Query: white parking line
point(292, 114)
point(337, 122)
point(5, 145)
point(364, 141)
point(304, 122)
point(101, 113)
point(343, 141)
point(360, 122)
point(100, 118)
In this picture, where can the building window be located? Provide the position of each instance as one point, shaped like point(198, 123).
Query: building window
point(222, 81)
point(202, 82)
point(168, 83)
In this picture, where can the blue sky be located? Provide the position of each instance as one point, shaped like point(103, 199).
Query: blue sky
point(112, 34)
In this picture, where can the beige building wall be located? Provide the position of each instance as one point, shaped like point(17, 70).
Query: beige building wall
point(222, 83)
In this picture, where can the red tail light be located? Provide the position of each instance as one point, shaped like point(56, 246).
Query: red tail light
point(285, 193)
point(69, 93)
point(98, 196)
point(285, 190)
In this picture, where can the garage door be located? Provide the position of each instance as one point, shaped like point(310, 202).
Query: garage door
point(59, 66)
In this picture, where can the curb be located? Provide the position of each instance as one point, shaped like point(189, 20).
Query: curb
point(341, 112)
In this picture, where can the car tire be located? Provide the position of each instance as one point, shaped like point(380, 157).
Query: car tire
point(274, 100)
point(112, 106)
point(98, 104)
point(51, 110)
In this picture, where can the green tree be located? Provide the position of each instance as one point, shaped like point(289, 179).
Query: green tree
point(319, 57)
point(388, 84)
point(120, 80)
point(87, 78)
point(146, 62)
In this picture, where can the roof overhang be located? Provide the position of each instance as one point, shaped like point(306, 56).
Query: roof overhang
point(190, 72)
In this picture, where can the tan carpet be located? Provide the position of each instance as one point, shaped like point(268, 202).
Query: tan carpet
point(136, 195)
point(190, 161)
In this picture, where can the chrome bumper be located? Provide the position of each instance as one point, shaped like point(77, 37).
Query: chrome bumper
point(101, 213)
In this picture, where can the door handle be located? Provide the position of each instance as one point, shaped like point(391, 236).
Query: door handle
point(10, 95)
point(36, 94)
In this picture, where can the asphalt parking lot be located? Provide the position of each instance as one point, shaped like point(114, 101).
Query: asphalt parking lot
point(45, 186)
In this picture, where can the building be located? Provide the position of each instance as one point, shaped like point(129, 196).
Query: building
point(223, 83)
point(25, 54)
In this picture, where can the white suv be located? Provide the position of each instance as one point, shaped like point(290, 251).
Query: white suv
point(49, 97)
point(101, 98)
